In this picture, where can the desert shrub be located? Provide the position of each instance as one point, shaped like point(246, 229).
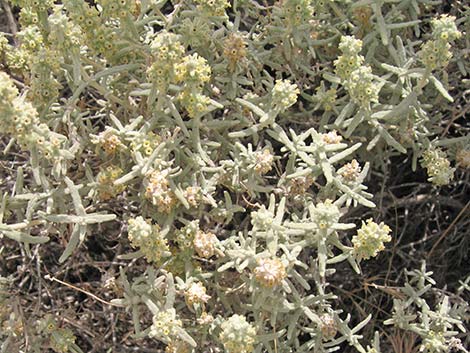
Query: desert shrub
point(222, 168)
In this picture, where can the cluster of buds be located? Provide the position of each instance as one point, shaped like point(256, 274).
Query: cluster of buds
point(328, 327)
point(361, 86)
point(100, 38)
point(435, 53)
point(234, 49)
point(205, 319)
point(157, 190)
point(463, 158)
point(434, 342)
point(118, 9)
point(17, 59)
point(438, 166)
point(62, 340)
point(357, 78)
point(17, 116)
point(284, 94)
point(204, 244)
point(106, 188)
point(193, 71)
point(64, 35)
point(31, 38)
point(213, 7)
point(49, 143)
point(108, 140)
point(237, 336)
point(34, 5)
point(263, 161)
point(194, 102)
point(326, 98)
point(167, 51)
point(44, 86)
point(191, 238)
point(196, 294)
point(185, 236)
point(193, 195)
point(331, 138)
point(350, 172)
point(177, 347)
point(195, 32)
point(28, 17)
point(145, 144)
point(325, 214)
point(270, 272)
point(165, 325)
point(148, 239)
point(297, 12)
point(262, 219)
point(370, 239)
point(350, 60)
point(300, 185)
point(19, 119)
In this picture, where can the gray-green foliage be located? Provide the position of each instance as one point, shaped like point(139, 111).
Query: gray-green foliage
point(235, 146)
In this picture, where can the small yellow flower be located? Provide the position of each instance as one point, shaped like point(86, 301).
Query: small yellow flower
point(370, 239)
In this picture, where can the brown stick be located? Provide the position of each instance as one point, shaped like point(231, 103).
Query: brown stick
point(10, 18)
point(448, 229)
point(49, 277)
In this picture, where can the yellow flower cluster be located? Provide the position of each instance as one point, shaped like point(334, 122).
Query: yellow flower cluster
point(438, 166)
point(106, 188)
point(297, 11)
point(194, 102)
point(361, 86)
point(350, 60)
point(146, 144)
point(213, 7)
point(148, 239)
point(99, 37)
point(284, 94)
point(19, 119)
point(118, 8)
point(237, 336)
point(435, 54)
point(109, 141)
point(165, 325)
point(167, 52)
point(325, 214)
point(370, 239)
point(193, 70)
